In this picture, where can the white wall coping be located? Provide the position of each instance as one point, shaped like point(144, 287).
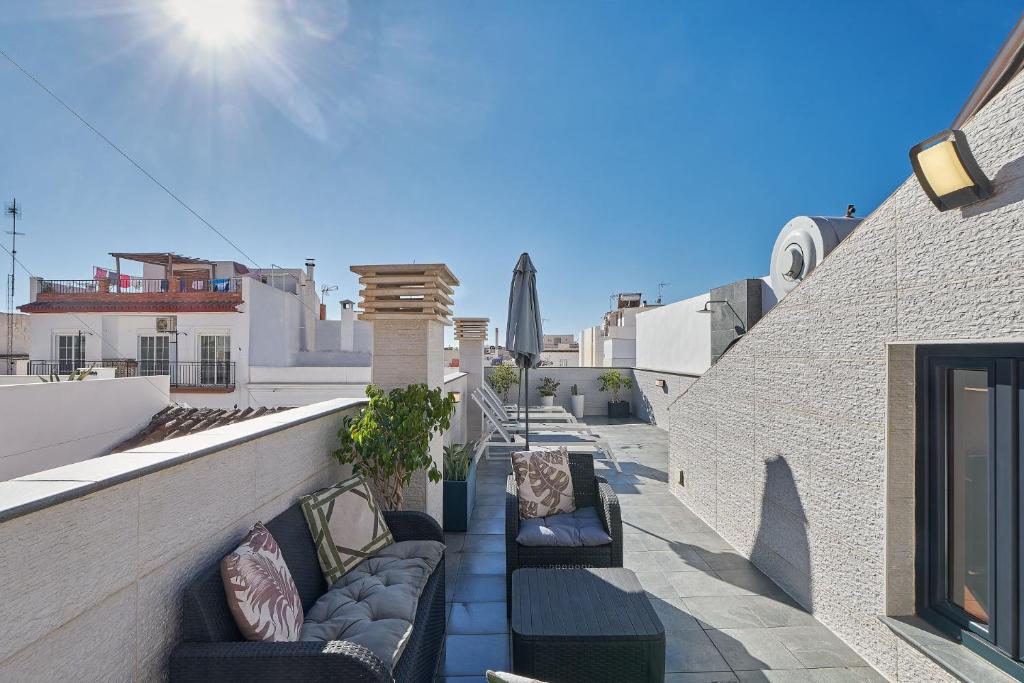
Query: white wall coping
point(34, 492)
point(454, 376)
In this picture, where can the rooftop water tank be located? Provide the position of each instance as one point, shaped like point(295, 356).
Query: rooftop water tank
point(802, 244)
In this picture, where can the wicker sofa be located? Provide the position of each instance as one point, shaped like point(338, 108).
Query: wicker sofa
point(213, 648)
point(589, 490)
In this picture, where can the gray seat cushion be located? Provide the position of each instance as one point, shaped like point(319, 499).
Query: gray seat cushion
point(568, 530)
point(374, 604)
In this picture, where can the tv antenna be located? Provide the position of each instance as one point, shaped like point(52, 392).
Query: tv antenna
point(661, 288)
point(14, 211)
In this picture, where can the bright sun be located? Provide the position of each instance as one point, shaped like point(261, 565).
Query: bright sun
point(215, 24)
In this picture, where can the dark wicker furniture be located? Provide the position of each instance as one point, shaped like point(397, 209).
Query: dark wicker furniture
point(585, 625)
point(588, 490)
point(214, 650)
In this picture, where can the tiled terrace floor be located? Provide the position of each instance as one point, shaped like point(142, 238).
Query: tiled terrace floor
point(724, 620)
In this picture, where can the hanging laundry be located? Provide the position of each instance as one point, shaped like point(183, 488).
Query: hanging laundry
point(124, 281)
point(99, 273)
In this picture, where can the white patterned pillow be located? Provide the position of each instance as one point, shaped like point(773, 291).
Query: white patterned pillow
point(347, 526)
point(543, 482)
point(260, 590)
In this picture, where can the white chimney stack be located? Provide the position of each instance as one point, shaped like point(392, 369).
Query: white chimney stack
point(348, 325)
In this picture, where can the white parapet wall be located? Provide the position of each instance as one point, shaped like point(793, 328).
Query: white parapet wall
point(675, 337)
point(300, 386)
point(652, 393)
point(94, 556)
point(456, 382)
point(49, 424)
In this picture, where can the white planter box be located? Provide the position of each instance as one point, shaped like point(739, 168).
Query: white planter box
point(577, 406)
point(547, 400)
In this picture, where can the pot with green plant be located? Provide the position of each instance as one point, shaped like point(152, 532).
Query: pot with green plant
point(389, 440)
point(459, 486)
point(502, 378)
point(615, 382)
point(548, 388)
point(576, 399)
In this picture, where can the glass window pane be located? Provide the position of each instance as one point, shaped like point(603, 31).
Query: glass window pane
point(969, 519)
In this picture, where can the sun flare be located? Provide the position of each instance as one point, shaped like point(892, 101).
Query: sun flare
point(215, 24)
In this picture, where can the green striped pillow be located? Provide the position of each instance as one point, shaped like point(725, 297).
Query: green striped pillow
point(347, 526)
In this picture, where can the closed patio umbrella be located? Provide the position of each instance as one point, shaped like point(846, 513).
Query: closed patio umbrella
point(523, 333)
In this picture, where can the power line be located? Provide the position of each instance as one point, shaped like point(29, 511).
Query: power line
point(125, 154)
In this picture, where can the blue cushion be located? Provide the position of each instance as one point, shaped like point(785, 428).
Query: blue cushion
point(567, 530)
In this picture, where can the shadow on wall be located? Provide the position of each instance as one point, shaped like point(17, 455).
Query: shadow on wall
point(1007, 188)
point(781, 547)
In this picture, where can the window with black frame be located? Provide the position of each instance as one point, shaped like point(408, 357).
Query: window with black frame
point(969, 540)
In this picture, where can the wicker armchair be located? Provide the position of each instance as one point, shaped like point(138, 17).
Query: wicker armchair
point(589, 490)
point(214, 650)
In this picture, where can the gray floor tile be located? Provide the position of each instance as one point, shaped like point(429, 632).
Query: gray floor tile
point(489, 512)
point(656, 584)
point(751, 580)
point(673, 614)
point(704, 677)
point(480, 589)
point(691, 651)
point(815, 646)
point(744, 611)
point(747, 649)
point(725, 559)
point(485, 543)
point(478, 617)
point(487, 525)
point(704, 583)
point(824, 675)
point(483, 563)
point(473, 655)
point(453, 542)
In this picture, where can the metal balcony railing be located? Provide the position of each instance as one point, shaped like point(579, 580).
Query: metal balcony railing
point(198, 374)
point(135, 285)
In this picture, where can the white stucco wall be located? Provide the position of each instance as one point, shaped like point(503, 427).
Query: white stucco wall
point(46, 425)
point(276, 321)
point(785, 442)
point(675, 337)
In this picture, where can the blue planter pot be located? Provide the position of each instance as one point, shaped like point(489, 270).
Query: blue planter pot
point(459, 498)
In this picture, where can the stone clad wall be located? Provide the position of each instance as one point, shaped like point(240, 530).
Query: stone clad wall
point(783, 441)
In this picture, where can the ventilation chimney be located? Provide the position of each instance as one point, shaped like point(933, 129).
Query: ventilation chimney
point(497, 338)
point(348, 325)
point(310, 268)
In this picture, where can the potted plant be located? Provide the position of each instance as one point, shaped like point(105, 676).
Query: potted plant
point(614, 381)
point(459, 486)
point(501, 380)
point(389, 439)
point(576, 398)
point(548, 388)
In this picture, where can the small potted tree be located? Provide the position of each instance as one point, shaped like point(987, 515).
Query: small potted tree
point(389, 439)
point(576, 399)
point(501, 380)
point(548, 388)
point(459, 486)
point(615, 382)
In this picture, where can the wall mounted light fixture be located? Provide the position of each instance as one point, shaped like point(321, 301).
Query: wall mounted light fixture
point(456, 396)
point(660, 383)
point(707, 309)
point(948, 172)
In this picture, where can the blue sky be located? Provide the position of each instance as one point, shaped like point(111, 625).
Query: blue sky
point(622, 144)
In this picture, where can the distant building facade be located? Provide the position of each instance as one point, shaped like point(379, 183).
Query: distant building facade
point(228, 336)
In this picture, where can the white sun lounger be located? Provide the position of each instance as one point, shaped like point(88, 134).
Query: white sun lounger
point(543, 413)
point(541, 423)
point(543, 435)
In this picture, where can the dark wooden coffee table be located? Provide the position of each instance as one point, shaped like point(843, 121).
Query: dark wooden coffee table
point(585, 625)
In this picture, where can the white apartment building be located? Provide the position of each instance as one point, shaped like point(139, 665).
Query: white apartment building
point(613, 343)
point(228, 336)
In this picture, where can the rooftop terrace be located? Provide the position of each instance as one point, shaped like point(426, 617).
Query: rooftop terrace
point(724, 619)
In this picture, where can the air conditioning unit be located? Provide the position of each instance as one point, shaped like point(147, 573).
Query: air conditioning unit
point(167, 325)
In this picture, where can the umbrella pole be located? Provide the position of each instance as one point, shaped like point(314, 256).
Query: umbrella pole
point(519, 401)
point(527, 408)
